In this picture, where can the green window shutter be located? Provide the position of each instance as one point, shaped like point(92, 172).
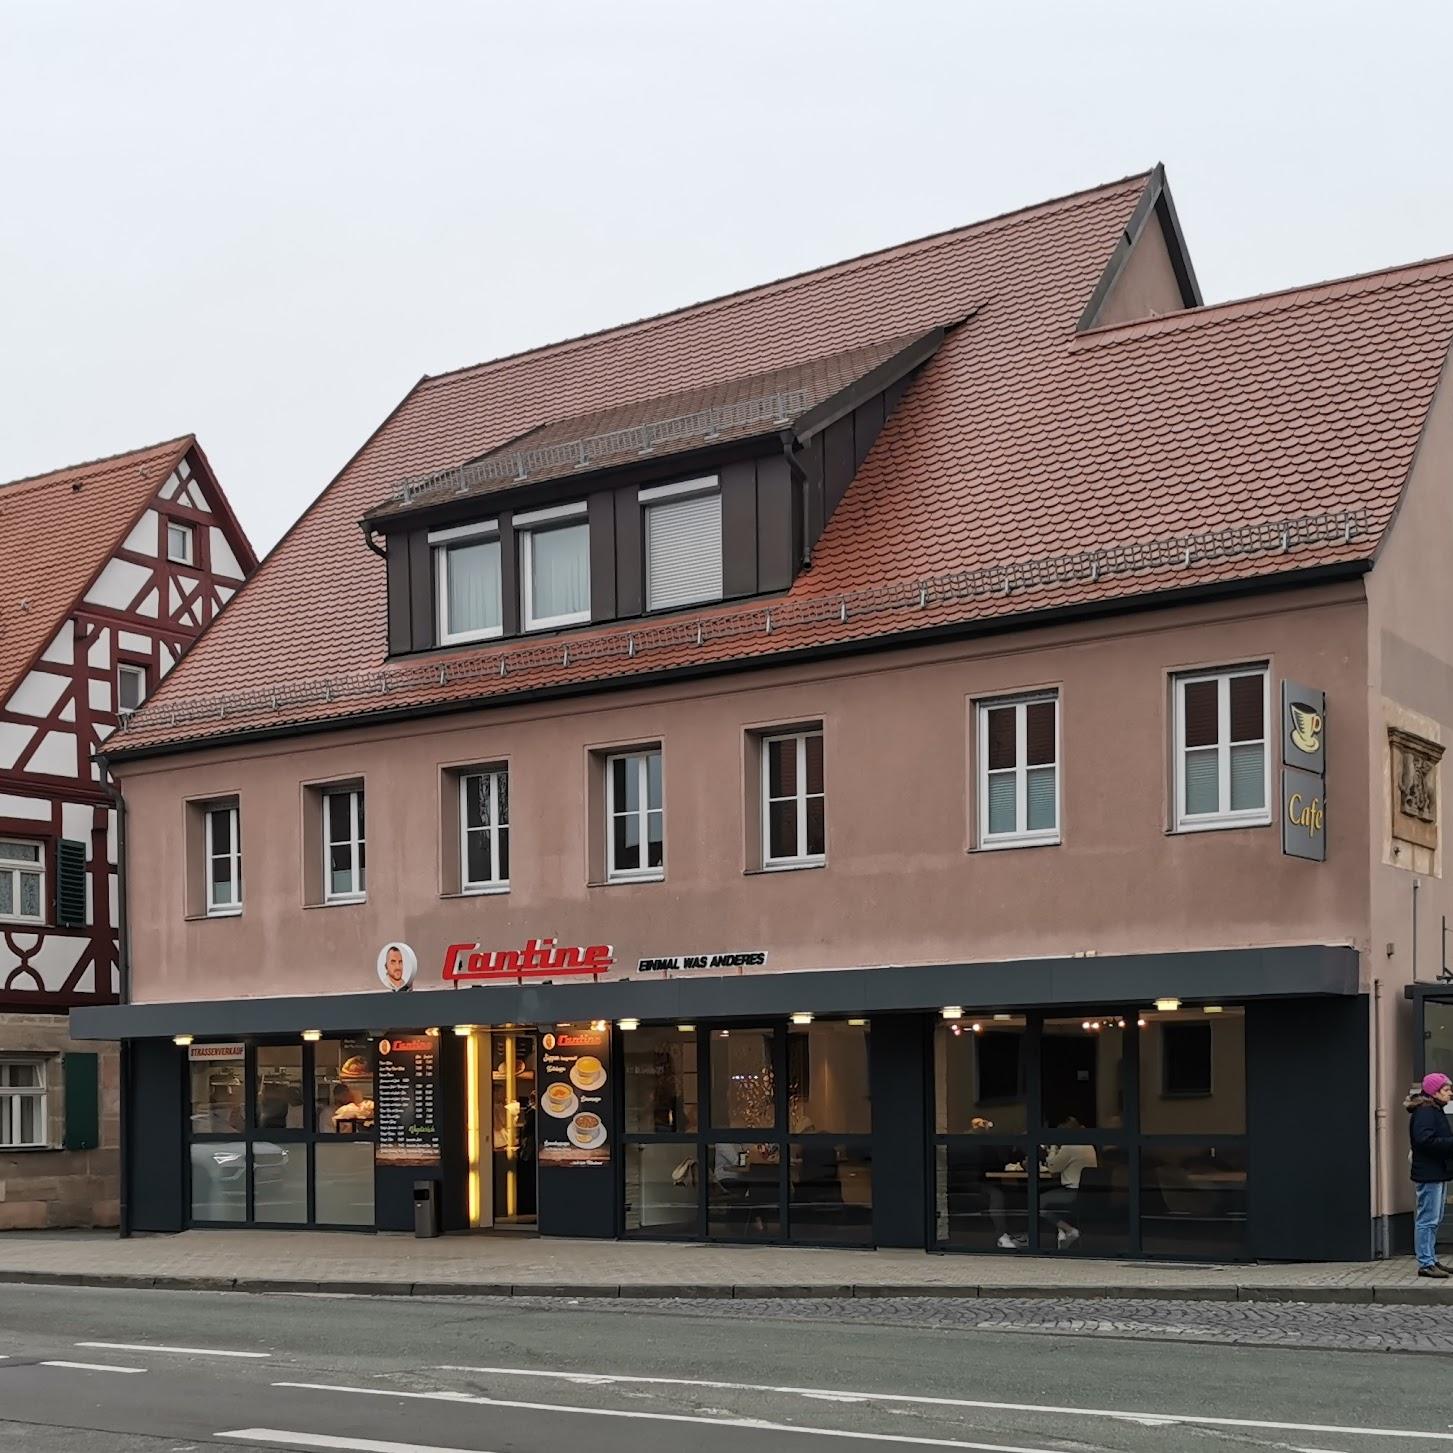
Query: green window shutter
point(81, 1074)
point(70, 888)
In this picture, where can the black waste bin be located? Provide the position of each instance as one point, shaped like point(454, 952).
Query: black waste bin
point(426, 1208)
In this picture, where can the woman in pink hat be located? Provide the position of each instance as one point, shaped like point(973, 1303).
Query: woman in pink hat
point(1431, 1138)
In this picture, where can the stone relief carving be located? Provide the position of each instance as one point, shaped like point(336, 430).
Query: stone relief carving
point(1414, 761)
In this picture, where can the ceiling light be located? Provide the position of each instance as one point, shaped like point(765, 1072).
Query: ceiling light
point(724, 1034)
point(1140, 1023)
point(857, 1023)
point(181, 1040)
point(312, 1035)
point(433, 1032)
point(1002, 1018)
point(599, 1024)
point(628, 1023)
point(464, 1030)
point(952, 1011)
point(686, 1028)
point(1167, 1006)
point(1214, 1009)
point(802, 1017)
point(978, 1029)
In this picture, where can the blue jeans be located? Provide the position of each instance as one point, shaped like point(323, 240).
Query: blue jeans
point(1432, 1202)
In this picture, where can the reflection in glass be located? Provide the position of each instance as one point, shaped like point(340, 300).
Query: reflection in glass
point(219, 1180)
point(279, 1181)
point(832, 1193)
point(743, 1198)
point(1087, 1208)
point(280, 1087)
point(343, 1174)
point(827, 1078)
point(982, 1205)
point(979, 1076)
point(218, 1097)
point(660, 1080)
point(743, 1085)
point(1193, 1073)
point(1193, 1200)
point(662, 1188)
point(1080, 1072)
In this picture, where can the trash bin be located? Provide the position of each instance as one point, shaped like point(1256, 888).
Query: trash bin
point(426, 1208)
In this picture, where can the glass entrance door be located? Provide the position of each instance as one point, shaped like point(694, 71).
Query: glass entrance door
point(512, 1107)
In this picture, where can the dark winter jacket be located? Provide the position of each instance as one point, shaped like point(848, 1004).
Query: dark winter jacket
point(1430, 1134)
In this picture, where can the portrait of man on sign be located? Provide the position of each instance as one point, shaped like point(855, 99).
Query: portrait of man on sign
point(397, 965)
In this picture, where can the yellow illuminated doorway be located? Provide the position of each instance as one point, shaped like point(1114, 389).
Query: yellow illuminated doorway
point(502, 1161)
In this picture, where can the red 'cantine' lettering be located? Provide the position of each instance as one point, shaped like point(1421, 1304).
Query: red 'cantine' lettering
point(540, 958)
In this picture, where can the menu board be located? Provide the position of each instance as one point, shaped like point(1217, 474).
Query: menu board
point(574, 1124)
point(408, 1077)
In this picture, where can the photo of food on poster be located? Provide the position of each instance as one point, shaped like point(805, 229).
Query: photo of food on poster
point(574, 1124)
point(408, 1067)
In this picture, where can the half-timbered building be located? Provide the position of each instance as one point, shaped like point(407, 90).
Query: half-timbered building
point(110, 570)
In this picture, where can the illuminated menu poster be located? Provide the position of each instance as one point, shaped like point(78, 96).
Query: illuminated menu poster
point(574, 1123)
point(407, 1093)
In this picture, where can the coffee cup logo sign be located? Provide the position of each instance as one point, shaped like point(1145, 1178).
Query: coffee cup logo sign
point(1303, 776)
point(1306, 727)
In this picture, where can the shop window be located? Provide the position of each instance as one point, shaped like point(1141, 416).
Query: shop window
point(683, 543)
point(660, 1081)
point(343, 1176)
point(744, 1193)
point(662, 1188)
point(827, 1079)
point(1084, 1199)
point(484, 817)
point(343, 1097)
point(1081, 1073)
point(1221, 759)
point(1193, 1073)
point(345, 873)
point(22, 881)
point(467, 582)
point(219, 1104)
point(979, 1076)
point(554, 549)
point(1019, 771)
point(279, 1087)
point(1193, 1200)
point(219, 1180)
point(223, 866)
point(635, 817)
point(794, 800)
point(743, 1080)
point(23, 1122)
point(279, 1182)
point(982, 1197)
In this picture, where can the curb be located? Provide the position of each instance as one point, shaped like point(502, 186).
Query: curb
point(1388, 1296)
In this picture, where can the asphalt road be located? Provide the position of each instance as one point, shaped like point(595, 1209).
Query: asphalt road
point(93, 1371)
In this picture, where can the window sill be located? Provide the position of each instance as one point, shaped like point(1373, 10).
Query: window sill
point(30, 1149)
point(219, 913)
point(624, 880)
point(789, 865)
point(465, 638)
point(23, 922)
point(482, 890)
point(351, 902)
point(1219, 824)
point(1018, 840)
point(555, 623)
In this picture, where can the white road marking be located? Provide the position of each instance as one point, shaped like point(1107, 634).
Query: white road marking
point(756, 1425)
point(157, 1347)
point(1149, 1419)
point(323, 1440)
point(93, 1366)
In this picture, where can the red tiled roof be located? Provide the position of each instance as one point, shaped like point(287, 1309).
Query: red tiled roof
point(57, 531)
point(1021, 440)
point(796, 388)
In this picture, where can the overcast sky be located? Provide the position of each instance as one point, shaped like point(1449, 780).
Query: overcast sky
point(262, 222)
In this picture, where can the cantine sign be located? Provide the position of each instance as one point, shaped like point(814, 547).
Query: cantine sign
point(539, 959)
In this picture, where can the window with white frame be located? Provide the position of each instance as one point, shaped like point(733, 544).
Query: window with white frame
point(1221, 761)
point(794, 804)
point(344, 874)
point(683, 543)
point(224, 859)
point(22, 1103)
point(22, 880)
point(1019, 771)
point(467, 582)
point(484, 822)
point(130, 686)
point(179, 544)
point(554, 566)
point(636, 842)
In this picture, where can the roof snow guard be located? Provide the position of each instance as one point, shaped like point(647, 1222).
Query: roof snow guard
point(1182, 551)
point(777, 410)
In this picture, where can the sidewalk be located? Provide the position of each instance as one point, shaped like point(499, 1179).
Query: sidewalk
point(330, 1261)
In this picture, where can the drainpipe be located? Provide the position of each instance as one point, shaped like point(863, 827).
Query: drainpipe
point(123, 986)
point(1381, 1211)
point(1415, 930)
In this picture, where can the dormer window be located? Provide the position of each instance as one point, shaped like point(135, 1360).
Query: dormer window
point(467, 579)
point(683, 543)
point(554, 566)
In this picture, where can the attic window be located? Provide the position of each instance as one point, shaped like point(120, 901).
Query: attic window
point(467, 582)
point(179, 543)
point(554, 566)
point(683, 543)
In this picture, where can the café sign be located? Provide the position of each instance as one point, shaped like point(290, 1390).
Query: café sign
point(1303, 776)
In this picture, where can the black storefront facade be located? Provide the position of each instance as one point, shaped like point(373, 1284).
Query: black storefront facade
point(1174, 1105)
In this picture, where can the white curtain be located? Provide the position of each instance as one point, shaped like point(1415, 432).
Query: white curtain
point(474, 603)
point(560, 572)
